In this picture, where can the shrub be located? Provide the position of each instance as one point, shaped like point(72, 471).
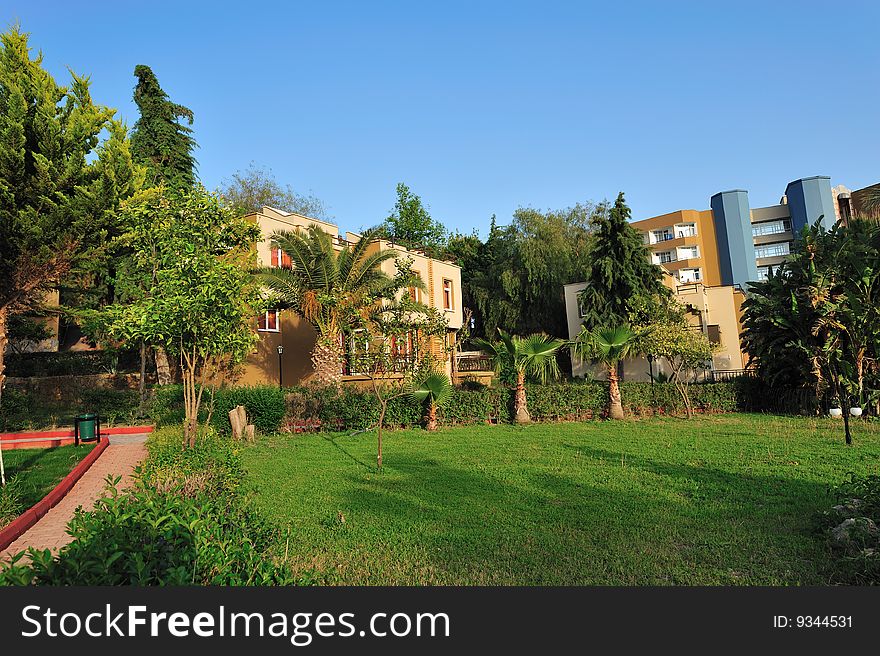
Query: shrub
point(112, 405)
point(188, 521)
point(851, 528)
point(265, 406)
point(14, 410)
point(71, 363)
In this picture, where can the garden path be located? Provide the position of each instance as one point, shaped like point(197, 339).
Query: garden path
point(50, 532)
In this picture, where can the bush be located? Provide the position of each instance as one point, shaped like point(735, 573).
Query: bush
point(851, 528)
point(71, 363)
point(188, 521)
point(112, 405)
point(14, 410)
point(350, 408)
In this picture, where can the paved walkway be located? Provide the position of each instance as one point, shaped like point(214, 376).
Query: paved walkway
point(50, 532)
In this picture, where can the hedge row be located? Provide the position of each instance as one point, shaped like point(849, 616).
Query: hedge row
point(307, 408)
point(70, 363)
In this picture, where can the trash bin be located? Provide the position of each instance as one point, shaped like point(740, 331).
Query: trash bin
point(86, 428)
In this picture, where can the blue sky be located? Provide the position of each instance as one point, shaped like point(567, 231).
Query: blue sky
point(482, 107)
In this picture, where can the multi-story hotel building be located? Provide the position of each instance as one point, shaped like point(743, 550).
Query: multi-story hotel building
point(733, 243)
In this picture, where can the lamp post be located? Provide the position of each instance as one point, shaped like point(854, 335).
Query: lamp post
point(650, 359)
point(280, 368)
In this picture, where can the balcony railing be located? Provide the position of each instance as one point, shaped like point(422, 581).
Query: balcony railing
point(468, 363)
point(364, 365)
point(727, 375)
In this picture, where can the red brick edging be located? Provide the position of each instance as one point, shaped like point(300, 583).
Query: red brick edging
point(30, 517)
point(61, 437)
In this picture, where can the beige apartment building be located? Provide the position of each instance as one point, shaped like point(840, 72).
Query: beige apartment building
point(296, 337)
point(713, 310)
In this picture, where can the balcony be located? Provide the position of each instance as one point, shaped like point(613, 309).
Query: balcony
point(467, 363)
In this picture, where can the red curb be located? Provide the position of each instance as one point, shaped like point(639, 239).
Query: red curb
point(33, 514)
point(118, 430)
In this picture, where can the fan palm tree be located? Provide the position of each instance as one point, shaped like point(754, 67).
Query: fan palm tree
point(534, 355)
point(608, 345)
point(329, 286)
point(434, 391)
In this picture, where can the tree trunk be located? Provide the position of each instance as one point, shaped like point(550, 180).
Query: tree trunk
point(327, 361)
point(142, 383)
point(163, 369)
point(384, 406)
point(846, 404)
point(431, 423)
point(4, 340)
point(615, 408)
point(520, 404)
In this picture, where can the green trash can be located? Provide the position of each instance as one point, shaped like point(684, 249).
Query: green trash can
point(86, 428)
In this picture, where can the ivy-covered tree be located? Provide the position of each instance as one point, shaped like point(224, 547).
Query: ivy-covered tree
point(64, 165)
point(159, 140)
point(197, 299)
point(410, 223)
point(623, 286)
point(249, 190)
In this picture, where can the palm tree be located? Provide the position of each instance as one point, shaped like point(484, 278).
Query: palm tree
point(534, 355)
point(434, 390)
point(331, 287)
point(608, 346)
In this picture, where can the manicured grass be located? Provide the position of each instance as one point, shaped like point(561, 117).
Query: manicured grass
point(724, 499)
point(31, 475)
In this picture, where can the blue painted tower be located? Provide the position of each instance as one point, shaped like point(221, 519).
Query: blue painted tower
point(809, 199)
point(733, 233)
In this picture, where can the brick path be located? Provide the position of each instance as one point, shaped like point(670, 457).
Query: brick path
point(50, 532)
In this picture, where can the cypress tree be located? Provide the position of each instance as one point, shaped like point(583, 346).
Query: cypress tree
point(159, 140)
point(623, 285)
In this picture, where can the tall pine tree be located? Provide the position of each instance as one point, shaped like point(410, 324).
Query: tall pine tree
point(623, 286)
point(64, 165)
point(159, 140)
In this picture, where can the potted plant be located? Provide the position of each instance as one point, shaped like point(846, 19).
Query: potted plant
point(835, 411)
point(855, 411)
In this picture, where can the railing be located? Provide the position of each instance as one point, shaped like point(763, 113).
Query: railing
point(724, 376)
point(470, 363)
point(363, 365)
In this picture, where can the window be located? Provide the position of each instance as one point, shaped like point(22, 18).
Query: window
point(666, 256)
point(280, 258)
point(688, 253)
point(690, 275)
point(448, 299)
point(582, 309)
point(415, 294)
point(686, 230)
point(771, 228)
point(772, 250)
point(662, 235)
point(268, 321)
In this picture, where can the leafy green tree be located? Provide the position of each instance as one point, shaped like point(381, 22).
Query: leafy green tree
point(400, 335)
point(330, 287)
point(64, 164)
point(514, 281)
point(249, 190)
point(411, 225)
point(159, 139)
point(684, 349)
point(815, 322)
point(199, 301)
point(433, 391)
point(609, 346)
point(533, 356)
point(623, 285)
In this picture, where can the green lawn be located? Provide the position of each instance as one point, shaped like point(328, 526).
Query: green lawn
point(725, 499)
point(32, 473)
